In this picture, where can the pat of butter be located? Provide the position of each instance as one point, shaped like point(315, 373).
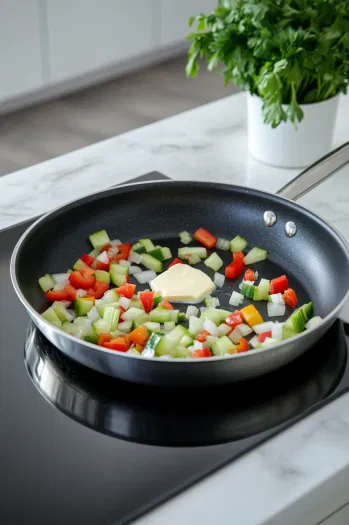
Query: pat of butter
point(182, 282)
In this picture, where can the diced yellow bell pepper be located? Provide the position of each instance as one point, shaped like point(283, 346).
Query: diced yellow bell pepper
point(251, 315)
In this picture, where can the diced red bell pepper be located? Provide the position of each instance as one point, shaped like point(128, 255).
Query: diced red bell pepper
point(205, 352)
point(98, 290)
point(238, 256)
point(249, 275)
point(139, 335)
point(176, 261)
point(83, 278)
point(234, 269)
point(206, 238)
point(103, 338)
point(124, 252)
point(290, 298)
point(127, 290)
point(107, 247)
point(202, 336)
point(242, 346)
point(87, 259)
point(147, 299)
point(68, 294)
point(263, 336)
point(166, 304)
point(118, 344)
point(234, 319)
point(278, 285)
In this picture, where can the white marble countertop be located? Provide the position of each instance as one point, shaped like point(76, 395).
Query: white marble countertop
point(302, 475)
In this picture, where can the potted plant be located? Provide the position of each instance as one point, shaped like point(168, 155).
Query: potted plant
point(292, 56)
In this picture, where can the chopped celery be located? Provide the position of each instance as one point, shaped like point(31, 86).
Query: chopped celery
point(166, 253)
point(185, 237)
point(191, 250)
point(238, 244)
point(99, 239)
point(308, 311)
point(315, 321)
point(296, 322)
point(261, 292)
point(255, 255)
point(46, 283)
point(101, 307)
point(248, 290)
point(214, 262)
point(111, 316)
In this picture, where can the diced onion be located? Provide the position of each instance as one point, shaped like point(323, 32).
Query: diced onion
point(135, 257)
point(81, 293)
point(198, 345)
point(191, 311)
point(124, 302)
point(222, 244)
point(112, 252)
point(236, 299)
point(93, 314)
point(210, 340)
point(244, 329)
point(276, 332)
point(276, 310)
point(277, 298)
point(60, 278)
point(219, 279)
point(235, 335)
point(71, 315)
point(66, 303)
point(115, 242)
point(254, 342)
point(60, 286)
point(103, 257)
point(263, 327)
point(124, 263)
point(211, 327)
point(145, 277)
point(134, 269)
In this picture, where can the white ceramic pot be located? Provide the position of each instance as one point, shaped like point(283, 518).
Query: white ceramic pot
point(287, 146)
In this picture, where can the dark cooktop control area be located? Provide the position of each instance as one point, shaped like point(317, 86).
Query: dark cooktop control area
point(77, 447)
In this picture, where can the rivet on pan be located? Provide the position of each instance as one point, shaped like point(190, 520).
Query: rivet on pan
point(269, 218)
point(290, 229)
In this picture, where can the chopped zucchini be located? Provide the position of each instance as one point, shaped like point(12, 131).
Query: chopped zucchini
point(148, 244)
point(194, 259)
point(191, 250)
point(118, 274)
point(138, 248)
point(82, 306)
point(79, 265)
point(223, 346)
point(51, 317)
point(214, 262)
point(151, 263)
point(261, 292)
point(166, 253)
point(99, 239)
point(185, 237)
point(102, 276)
point(157, 253)
point(101, 327)
point(160, 315)
point(46, 283)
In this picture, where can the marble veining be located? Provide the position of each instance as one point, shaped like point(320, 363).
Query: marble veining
point(302, 475)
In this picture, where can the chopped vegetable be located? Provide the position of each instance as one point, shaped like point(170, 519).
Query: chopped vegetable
point(251, 315)
point(183, 253)
point(264, 335)
point(236, 299)
point(191, 311)
point(255, 255)
point(234, 269)
point(176, 261)
point(234, 319)
point(83, 278)
point(193, 259)
point(261, 292)
point(147, 299)
point(248, 290)
point(204, 352)
point(185, 237)
point(263, 327)
point(102, 276)
point(118, 344)
point(166, 304)
point(214, 262)
point(242, 346)
point(312, 323)
point(145, 277)
point(249, 275)
point(202, 336)
point(151, 263)
point(238, 244)
point(99, 239)
point(276, 298)
point(205, 238)
point(223, 346)
point(276, 310)
point(223, 244)
point(296, 322)
point(219, 279)
point(290, 298)
point(46, 282)
point(127, 290)
point(278, 285)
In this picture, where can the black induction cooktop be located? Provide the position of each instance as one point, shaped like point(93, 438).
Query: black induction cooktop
point(78, 447)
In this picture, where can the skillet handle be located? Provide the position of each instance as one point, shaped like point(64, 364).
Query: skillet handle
point(317, 173)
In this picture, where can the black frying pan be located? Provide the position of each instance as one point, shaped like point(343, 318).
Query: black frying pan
point(316, 261)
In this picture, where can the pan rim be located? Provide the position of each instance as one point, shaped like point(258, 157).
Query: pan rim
point(179, 362)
